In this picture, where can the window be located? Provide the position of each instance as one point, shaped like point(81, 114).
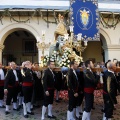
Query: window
point(29, 47)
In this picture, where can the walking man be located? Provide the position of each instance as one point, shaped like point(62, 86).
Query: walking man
point(73, 85)
point(109, 89)
point(90, 81)
point(11, 87)
point(48, 86)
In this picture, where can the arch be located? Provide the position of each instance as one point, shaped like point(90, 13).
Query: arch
point(105, 37)
point(15, 27)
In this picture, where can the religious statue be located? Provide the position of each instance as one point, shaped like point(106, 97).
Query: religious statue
point(57, 51)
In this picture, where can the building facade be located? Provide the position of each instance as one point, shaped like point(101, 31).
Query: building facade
point(20, 30)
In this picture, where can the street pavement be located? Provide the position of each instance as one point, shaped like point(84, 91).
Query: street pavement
point(60, 111)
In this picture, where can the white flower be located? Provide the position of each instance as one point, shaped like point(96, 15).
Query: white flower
point(64, 63)
point(44, 60)
point(54, 51)
point(68, 61)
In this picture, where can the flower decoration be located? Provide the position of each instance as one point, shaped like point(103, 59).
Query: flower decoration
point(55, 57)
point(65, 59)
point(45, 60)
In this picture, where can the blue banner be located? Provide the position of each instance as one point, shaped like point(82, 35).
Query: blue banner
point(85, 18)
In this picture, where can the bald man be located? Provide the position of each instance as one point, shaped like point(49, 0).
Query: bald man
point(109, 90)
point(11, 87)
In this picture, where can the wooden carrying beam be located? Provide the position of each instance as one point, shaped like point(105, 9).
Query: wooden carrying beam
point(59, 69)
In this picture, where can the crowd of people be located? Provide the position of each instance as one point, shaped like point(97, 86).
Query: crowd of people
point(25, 87)
point(22, 87)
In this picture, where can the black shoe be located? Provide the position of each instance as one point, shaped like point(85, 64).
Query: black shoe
point(19, 107)
point(7, 112)
point(16, 109)
point(52, 117)
point(36, 106)
point(57, 101)
point(2, 106)
point(80, 113)
point(26, 116)
point(30, 113)
point(80, 118)
point(77, 118)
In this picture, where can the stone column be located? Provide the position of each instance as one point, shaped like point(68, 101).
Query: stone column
point(1, 49)
point(111, 52)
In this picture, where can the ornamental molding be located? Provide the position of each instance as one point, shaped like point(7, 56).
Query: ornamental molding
point(1, 47)
point(112, 47)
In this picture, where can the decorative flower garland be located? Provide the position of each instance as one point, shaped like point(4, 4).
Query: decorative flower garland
point(106, 23)
point(7, 13)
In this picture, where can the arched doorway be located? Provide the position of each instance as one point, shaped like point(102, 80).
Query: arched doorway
point(20, 46)
point(93, 51)
point(20, 31)
point(98, 50)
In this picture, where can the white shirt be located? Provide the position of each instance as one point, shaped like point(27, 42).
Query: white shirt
point(75, 74)
point(111, 71)
point(38, 74)
point(2, 76)
point(15, 73)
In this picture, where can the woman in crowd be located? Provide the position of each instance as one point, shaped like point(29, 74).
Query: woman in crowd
point(27, 88)
point(38, 87)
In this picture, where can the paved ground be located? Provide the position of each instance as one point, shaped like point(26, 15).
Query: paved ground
point(60, 111)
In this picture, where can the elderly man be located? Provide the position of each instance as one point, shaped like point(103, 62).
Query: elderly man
point(109, 87)
point(11, 87)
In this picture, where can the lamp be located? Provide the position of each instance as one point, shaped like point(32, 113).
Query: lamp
point(71, 28)
point(79, 36)
point(66, 36)
point(41, 43)
point(77, 43)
